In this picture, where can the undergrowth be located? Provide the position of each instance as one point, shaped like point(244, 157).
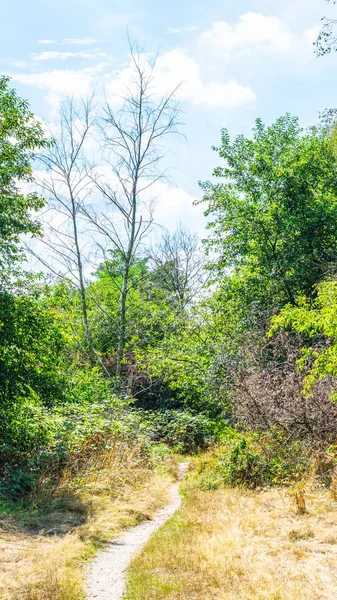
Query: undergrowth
point(252, 460)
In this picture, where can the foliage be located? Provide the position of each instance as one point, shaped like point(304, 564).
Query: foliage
point(148, 313)
point(267, 389)
point(31, 344)
point(274, 217)
point(186, 360)
point(38, 438)
point(180, 429)
point(20, 136)
point(254, 460)
point(316, 319)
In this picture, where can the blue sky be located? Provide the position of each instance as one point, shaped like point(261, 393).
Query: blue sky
point(238, 61)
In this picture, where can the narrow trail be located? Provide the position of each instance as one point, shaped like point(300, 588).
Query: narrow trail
point(106, 576)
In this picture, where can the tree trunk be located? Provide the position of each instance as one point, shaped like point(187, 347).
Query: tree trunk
point(122, 315)
point(82, 287)
point(124, 292)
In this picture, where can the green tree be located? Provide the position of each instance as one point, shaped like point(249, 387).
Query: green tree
point(31, 345)
point(317, 320)
point(20, 136)
point(274, 214)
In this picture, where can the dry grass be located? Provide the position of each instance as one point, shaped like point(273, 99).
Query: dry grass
point(232, 544)
point(43, 550)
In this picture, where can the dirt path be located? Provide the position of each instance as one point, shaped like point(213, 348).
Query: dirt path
point(106, 577)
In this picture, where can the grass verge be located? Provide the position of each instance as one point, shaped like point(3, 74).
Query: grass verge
point(45, 543)
point(239, 544)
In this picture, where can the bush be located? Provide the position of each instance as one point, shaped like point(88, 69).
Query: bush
point(40, 439)
point(179, 429)
point(256, 460)
point(49, 439)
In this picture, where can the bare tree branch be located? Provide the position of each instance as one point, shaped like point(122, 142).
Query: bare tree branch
point(131, 141)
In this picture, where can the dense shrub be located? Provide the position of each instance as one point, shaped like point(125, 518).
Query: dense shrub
point(37, 438)
point(42, 441)
point(182, 430)
point(255, 460)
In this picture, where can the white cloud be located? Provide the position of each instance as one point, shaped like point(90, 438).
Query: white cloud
point(175, 205)
point(183, 29)
point(254, 30)
point(58, 82)
point(84, 41)
point(46, 42)
point(175, 68)
point(171, 200)
point(168, 205)
point(172, 69)
point(224, 94)
point(86, 54)
point(19, 64)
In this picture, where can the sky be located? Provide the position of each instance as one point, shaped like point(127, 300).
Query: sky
point(237, 60)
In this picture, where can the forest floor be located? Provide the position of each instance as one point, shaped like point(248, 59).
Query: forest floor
point(236, 544)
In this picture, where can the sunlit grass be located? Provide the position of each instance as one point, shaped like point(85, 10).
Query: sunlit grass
point(235, 544)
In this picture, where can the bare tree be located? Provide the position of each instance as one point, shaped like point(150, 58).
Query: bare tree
point(133, 135)
point(327, 40)
point(67, 183)
point(179, 264)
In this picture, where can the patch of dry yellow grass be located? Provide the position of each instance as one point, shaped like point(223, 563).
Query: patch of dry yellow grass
point(44, 559)
point(232, 544)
